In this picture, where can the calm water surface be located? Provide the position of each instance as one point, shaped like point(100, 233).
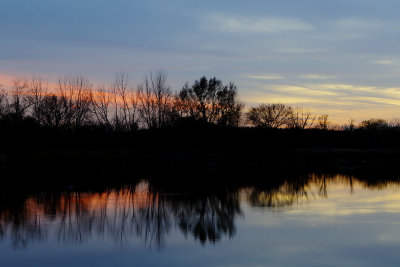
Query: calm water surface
point(318, 220)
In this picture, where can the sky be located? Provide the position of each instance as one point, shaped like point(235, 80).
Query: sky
point(336, 57)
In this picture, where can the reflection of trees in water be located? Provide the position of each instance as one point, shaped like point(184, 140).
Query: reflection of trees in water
point(208, 218)
point(135, 212)
point(292, 190)
point(281, 194)
point(15, 222)
point(121, 215)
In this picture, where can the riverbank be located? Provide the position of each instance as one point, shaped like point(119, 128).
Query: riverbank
point(93, 165)
point(194, 154)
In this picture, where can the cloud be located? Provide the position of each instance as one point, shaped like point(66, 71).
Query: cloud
point(238, 24)
point(356, 29)
point(341, 101)
point(316, 77)
point(384, 62)
point(357, 94)
point(296, 50)
point(302, 76)
point(350, 24)
point(265, 77)
point(303, 91)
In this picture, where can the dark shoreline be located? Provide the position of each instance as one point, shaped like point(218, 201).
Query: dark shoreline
point(64, 166)
point(211, 154)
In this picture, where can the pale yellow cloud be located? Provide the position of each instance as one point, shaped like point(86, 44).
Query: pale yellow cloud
point(379, 100)
point(340, 101)
point(305, 91)
point(316, 77)
point(340, 86)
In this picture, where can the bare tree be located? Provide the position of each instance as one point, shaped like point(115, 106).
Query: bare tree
point(101, 101)
point(82, 102)
point(155, 101)
point(146, 101)
point(3, 101)
point(268, 116)
point(124, 105)
point(76, 97)
point(52, 111)
point(300, 119)
point(323, 122)
point(374, 124)
point(37, 90)
point(163, 98)
point(18, 103)
point(350, 126)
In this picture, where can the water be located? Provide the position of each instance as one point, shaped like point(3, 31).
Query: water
point(317, 220)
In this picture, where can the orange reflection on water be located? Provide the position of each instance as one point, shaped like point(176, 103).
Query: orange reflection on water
point(72, 203)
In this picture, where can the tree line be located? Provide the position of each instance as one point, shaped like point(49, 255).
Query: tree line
point(73, 103)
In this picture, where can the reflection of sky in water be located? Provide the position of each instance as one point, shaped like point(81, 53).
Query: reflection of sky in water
point(331, 223)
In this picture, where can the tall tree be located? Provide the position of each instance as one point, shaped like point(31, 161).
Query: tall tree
point(37, 91)
point(155, 101)
point(101, 100)
point(124, 105)
point(210, 101)
point(18, 104)
point(76, 97)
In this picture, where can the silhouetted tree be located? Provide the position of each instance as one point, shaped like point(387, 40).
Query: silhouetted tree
point(323, 122)
point(268, 116)
point(350, 126)
point(75, 95)
point(373, 124)
point(3, 102)
point(52, 111)
point(209, 101)
point(37, 91)
point(155, 101)
point(101, 100)
point(300, 119)
point(18, 104)
point(124, 105)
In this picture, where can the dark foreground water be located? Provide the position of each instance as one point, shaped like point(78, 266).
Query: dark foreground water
point(317, 220)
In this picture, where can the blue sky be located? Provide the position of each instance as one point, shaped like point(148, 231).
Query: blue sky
point(336, 57)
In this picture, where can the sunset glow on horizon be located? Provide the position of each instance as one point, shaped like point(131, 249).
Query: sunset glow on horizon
point(339, 58)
